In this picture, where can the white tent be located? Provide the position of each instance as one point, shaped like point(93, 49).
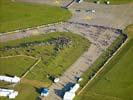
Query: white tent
point(75, 88)
point(8, 90)
point(69, 96)
point(4, 93)
point(13, 95)
point(8, 93)
point(14, 79)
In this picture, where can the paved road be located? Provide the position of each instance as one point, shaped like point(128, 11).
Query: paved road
point(117, 16)
point(101, 37)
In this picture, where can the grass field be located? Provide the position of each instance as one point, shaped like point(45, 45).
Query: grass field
point(16, 15)
point(15, 65)
point(115, 81)
point(113, 1)
point(99, 62)
point(129, 30)
point(49, 58)
point(52, 63)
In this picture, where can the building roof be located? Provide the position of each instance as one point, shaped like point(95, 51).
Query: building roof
point(44, 90)
point(69, 96)
point(75, 88)
point(14, 79)
point(8, 93)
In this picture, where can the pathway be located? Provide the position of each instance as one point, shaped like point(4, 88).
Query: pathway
point(100, 37)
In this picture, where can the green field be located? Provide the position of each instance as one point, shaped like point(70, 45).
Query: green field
point(99, 62)
point(53, 62)
point(129, 31)
point(115, 81)
point(18, 15)
point(113, 1)
point(50, 58)
point(15, 65)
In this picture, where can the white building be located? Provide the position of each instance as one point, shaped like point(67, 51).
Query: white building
point(8, 93)
point(69, 95)
point(75, 88)
point(14, 79)
point(13, 95)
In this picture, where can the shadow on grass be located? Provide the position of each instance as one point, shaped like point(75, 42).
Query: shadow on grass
point(9, 75)
point(38, 90)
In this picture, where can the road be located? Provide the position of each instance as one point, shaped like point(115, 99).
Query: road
point(116, 16)
point(99, 36)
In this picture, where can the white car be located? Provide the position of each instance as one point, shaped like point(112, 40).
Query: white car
point(91, 10)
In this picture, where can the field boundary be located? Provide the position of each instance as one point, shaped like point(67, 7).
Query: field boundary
point(103, 66)
point(30, 28)
point(31, 68)
point(19, 56)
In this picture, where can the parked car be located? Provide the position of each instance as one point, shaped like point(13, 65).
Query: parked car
point(77, 10)
point(91, 10)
